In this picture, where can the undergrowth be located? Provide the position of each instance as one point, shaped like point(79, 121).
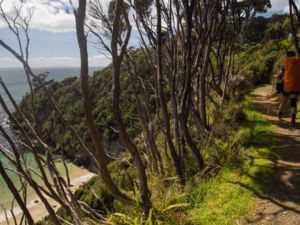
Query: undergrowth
point(242, 158)
point(223, 195)
point(228, 195)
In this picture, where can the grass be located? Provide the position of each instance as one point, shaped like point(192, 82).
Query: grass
point(227, 196)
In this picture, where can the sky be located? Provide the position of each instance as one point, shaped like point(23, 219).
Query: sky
point(280, 6)
point(53, 38)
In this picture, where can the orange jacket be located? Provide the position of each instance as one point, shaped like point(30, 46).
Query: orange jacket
point(291, 78)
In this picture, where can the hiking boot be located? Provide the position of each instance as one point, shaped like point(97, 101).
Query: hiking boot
point(293, 122)
point(280, 115)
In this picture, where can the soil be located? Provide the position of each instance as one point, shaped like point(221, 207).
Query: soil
point(281, 204)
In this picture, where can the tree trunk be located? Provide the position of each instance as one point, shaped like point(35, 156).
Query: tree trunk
point(294, 29)
point(117, 60)
point(159, 78)
point(185, 102)
point(97, 138)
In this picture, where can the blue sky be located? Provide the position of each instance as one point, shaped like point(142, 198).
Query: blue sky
point(53, 39)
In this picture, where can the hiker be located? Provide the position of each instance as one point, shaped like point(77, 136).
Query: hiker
point(279, 82)
point(291, 84)
point(279, 90)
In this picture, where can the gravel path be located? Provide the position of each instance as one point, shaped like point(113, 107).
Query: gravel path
point(281, 204)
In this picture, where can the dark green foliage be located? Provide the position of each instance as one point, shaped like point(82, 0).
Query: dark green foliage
point(123, 174)
point(143, 6)
point(67, 96)
point(256, 30)
point(259, 6)
point(96, 195)
point(230, 136)
point(278, 27)
point(258, 62)
point(262, 29)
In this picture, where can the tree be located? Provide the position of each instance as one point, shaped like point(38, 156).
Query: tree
point(295, 14)
point(256, 30)
point(94, 132)
point(56, 187)
point(182, 64)
point(189, 46)
point(278, 27)
point(117, 25)
point(248, 9)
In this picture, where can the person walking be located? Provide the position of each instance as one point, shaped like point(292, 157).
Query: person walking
point(279, 89)
point(291, 85)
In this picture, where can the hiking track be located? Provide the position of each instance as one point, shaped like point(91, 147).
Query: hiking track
point(280, 205)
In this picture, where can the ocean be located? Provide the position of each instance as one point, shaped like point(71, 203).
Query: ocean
point(16, 82)
point(15, 78)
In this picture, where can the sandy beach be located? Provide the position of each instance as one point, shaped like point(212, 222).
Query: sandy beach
point(36, 207)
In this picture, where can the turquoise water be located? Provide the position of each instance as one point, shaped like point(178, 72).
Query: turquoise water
point(6, 196)
point(15, 80)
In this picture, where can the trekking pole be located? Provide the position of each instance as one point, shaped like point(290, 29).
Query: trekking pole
point(270, 96)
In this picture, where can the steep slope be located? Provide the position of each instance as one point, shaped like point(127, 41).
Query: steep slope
point(67, 96)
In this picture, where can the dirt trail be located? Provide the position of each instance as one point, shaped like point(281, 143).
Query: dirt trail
point(281, 204)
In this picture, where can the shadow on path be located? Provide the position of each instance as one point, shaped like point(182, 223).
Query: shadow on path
point(281, 203)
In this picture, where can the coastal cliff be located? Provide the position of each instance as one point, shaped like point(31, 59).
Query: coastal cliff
point(67, 96)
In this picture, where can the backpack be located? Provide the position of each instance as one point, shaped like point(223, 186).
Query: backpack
point(292, 74)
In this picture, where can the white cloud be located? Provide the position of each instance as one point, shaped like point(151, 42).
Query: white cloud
point(51, 15)
point(47, 15)
point(97, 60)
point(281, 6)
